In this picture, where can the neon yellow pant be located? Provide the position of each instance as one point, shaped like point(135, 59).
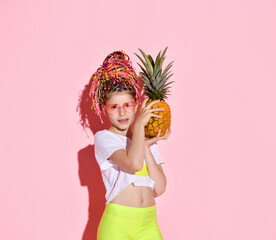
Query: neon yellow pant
point(128, 223)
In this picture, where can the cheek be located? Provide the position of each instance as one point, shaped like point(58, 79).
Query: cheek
point(111, 118)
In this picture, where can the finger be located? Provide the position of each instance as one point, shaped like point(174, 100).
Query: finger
point(167, 134)
point(158, 134)
point(144, 102)
point(155, 115)
point(152, 103)
point(156, 109)
point(157, 137)
point(163, 137)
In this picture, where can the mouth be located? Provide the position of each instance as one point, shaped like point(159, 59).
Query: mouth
point(123, 121)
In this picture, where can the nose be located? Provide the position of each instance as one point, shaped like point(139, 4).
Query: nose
point(121, 111)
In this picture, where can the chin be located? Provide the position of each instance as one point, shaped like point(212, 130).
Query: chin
point(122, 128)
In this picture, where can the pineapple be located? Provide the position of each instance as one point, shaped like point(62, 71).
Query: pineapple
point(156, 87)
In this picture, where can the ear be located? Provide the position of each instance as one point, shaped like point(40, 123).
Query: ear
point(104, 110)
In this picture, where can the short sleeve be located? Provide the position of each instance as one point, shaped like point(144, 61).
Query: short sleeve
point(106, 144)
point(156, 154)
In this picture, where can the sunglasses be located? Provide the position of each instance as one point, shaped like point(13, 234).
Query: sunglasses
point(113, 109)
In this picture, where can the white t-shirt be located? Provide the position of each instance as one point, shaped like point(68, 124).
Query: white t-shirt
point(117, 178)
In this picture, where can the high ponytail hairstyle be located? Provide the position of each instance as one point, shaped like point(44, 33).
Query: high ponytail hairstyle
point(116, 74)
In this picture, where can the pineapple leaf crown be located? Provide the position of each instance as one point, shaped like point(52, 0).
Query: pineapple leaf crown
point(156, 85)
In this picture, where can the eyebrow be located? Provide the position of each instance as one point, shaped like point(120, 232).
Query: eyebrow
point(118, 103)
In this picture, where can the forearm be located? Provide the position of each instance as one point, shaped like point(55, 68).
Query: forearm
point(155, 172)
point(137, 148)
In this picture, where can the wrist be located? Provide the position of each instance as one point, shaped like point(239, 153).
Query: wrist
point(139, 127)
point(147, 147)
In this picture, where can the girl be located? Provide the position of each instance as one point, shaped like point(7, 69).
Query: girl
point(130, 164)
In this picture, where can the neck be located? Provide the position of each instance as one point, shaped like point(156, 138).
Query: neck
point(126, 132)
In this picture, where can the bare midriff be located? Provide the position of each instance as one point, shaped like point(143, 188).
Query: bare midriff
point(134, 196)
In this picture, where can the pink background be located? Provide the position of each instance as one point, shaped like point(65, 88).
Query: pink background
point(220, 158)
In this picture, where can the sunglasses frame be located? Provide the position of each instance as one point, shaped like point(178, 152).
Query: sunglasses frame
point(119, 107)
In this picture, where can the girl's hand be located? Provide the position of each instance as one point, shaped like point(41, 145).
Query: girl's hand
point(146, 113)
point(150, 141)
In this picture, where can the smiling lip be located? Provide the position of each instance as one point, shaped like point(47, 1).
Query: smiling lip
point(123, 120)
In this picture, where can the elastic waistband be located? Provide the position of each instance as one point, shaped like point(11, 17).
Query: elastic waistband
point(128, 208)
point(130, 213)
point(121, 210)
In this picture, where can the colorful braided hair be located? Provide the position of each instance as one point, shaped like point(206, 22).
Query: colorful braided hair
point(115, 74)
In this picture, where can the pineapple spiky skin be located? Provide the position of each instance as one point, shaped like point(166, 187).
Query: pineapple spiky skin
point(154, 124)
point(156, 87)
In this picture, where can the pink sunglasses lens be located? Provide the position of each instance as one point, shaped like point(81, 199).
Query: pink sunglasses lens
point(114, 108)
point(129, 107)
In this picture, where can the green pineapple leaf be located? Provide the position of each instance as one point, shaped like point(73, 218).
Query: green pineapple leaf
point(151, 60)
point(144, 71)
point(156, 84)
point(148, 65)
point(167, 69)
point(144, 63)
point(163, 56)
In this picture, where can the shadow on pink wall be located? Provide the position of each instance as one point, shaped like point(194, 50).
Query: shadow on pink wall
point(89, 171)
point(90, 176)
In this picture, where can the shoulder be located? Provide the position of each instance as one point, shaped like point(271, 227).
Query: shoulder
point(106, 132)
point(103, 134)
point(105, 137)
point(100, 133)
